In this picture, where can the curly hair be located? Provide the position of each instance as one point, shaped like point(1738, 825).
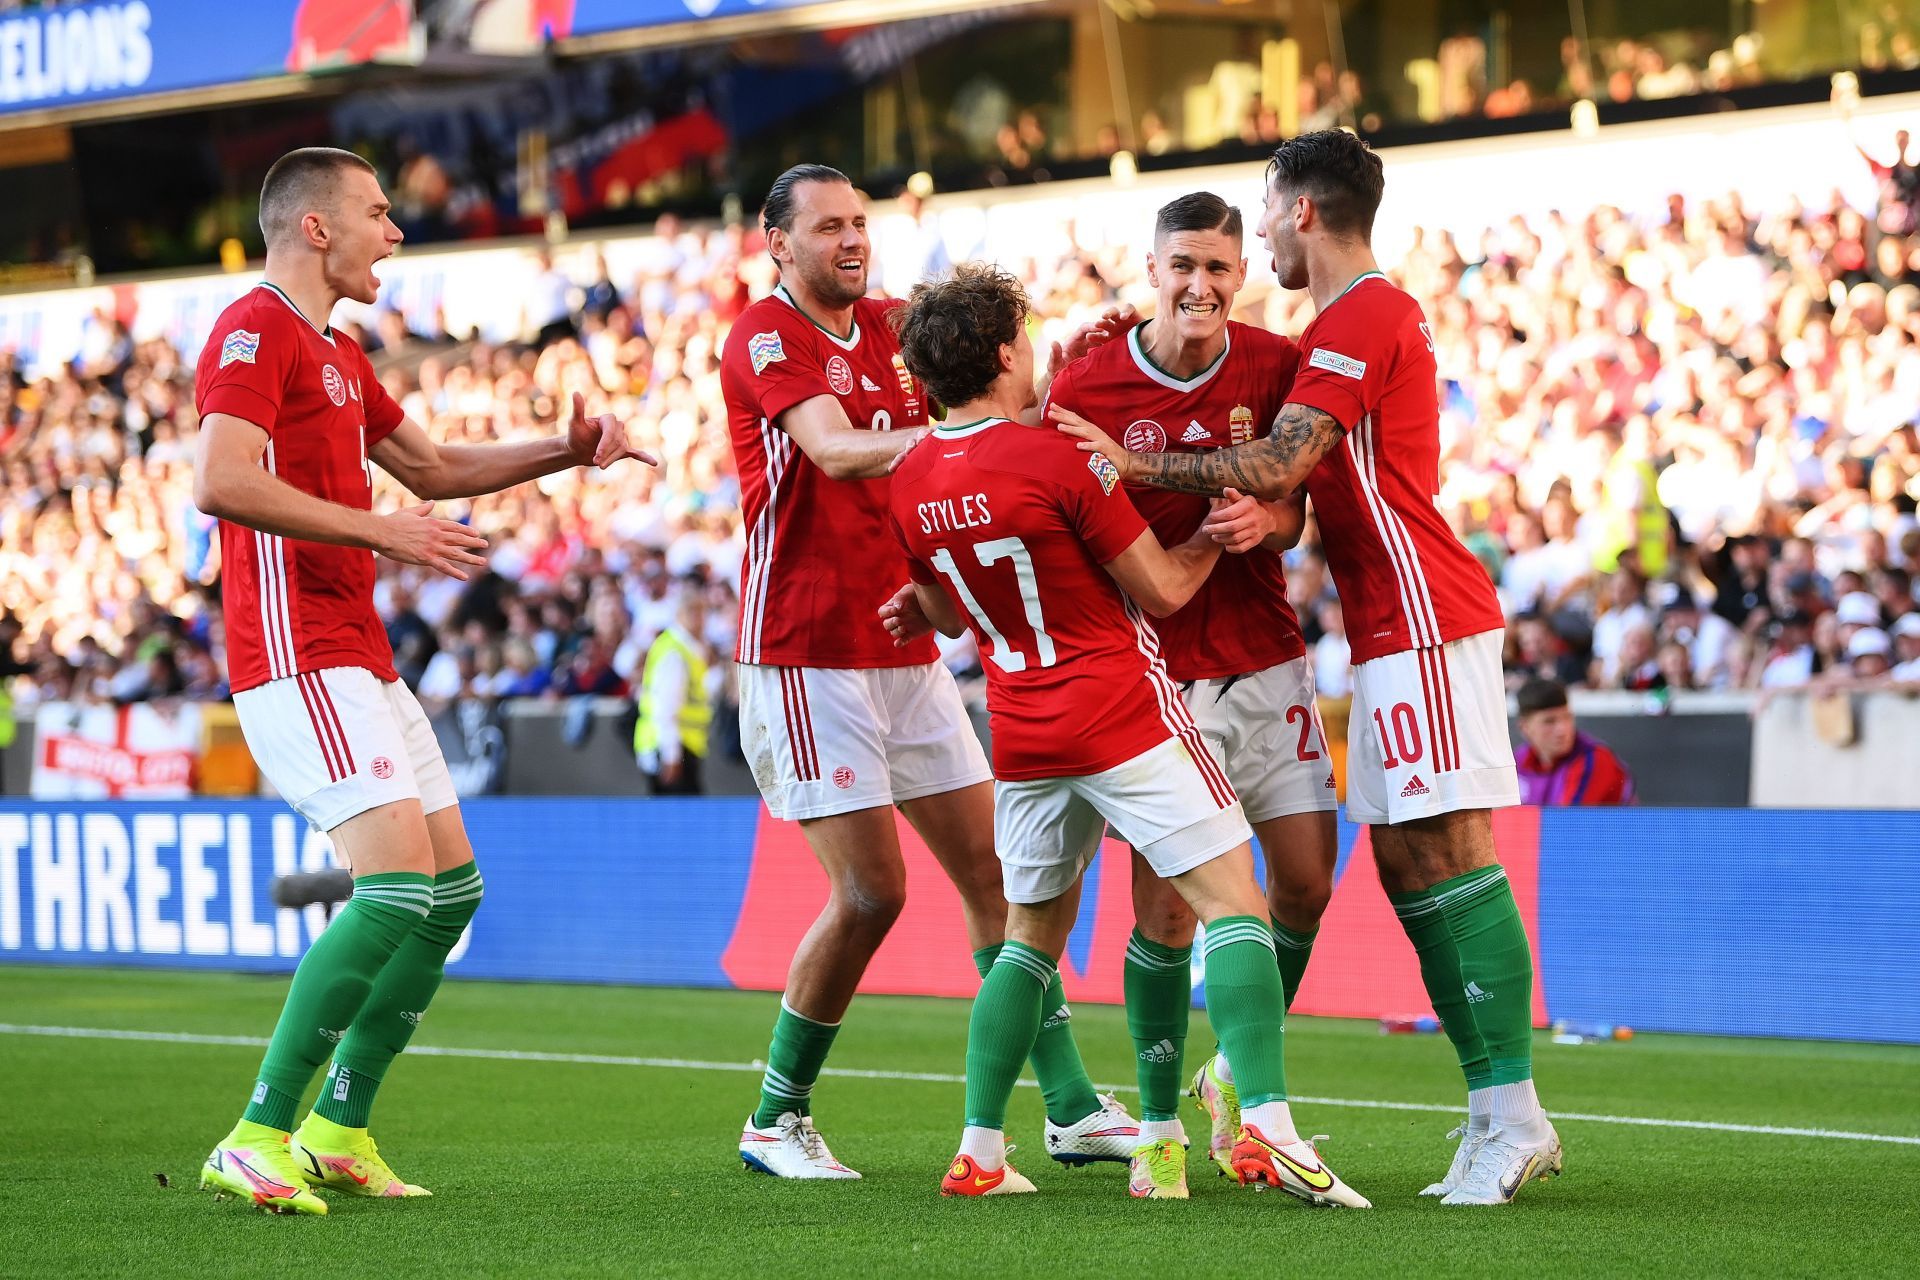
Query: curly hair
point(951, 331)
point(1340, 173)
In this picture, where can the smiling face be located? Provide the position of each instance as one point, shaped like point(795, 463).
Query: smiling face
point(359, 234)
point(827, 247)
point(1197, 274)
point(1278, 227)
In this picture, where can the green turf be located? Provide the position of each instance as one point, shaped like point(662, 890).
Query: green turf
point(568, 1169)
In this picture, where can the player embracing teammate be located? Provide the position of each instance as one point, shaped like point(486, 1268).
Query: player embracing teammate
point(1429, 756)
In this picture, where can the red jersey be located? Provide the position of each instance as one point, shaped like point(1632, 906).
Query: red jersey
point(1015, 523)
point(1404, 580)
point(293, 606)
point(1239, 621)
point(820, 560)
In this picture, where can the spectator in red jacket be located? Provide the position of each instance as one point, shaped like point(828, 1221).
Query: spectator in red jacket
point(1559, 765)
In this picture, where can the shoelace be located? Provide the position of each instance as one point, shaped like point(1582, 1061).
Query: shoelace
point(812, 1145)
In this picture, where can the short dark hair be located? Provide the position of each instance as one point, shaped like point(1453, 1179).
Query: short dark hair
point(1197, 211)
point(300, 182)
point(951, 330)
point(1339, 172)
point(778, 211)
point(1541, 695)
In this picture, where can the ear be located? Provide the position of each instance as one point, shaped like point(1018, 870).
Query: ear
point(1240, 277)
point(314, 229)
point(1153, 271)
point(777, 246)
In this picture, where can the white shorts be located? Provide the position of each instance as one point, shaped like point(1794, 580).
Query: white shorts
point(1177, 811)
point(338, 742)
point(1428, 733)
point(1265, 730)
point(827, 740)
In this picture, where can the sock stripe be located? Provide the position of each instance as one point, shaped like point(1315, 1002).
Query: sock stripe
point(1472, 890)
point(1030, 962)
point(420, 909)
point(1147, 961)
point(449, 899)
point(1257, 935)
point(1293, 939)
point(792, 1012)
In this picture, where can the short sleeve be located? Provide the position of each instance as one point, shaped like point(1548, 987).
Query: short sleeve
point(916, 571)
point(1061, 392)
point(1343, 361)
point(1097, 507)
point(245, 373)
point(384, 414)
point(779, 365)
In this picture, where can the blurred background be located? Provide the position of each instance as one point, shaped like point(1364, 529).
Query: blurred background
point(1670, 251)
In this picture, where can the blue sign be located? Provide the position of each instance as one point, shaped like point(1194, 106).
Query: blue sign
point(590, 16)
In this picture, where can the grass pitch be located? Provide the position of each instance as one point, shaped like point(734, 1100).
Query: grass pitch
point(550, 1165)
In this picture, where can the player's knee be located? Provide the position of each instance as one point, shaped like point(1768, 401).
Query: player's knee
point(871, 905)
point(1299, 903)
point(1166, 921)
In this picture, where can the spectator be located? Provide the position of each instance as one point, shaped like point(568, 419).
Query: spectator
point(1869, 654)
point(1332, 656)
point(1906, 644)
point(670, 742)
point(1558, 764)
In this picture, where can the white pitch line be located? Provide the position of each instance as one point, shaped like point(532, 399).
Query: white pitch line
point(922, 1077)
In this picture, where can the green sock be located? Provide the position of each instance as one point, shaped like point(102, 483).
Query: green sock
point(1064, 1082)
point(1496, 967)
point(1247, 1005)
point(331, 985)
point(1158, 983)
point(399, 997)
point(1005, 1023)
point(1433, 942)
point(1293, 949)
point(793, 1063)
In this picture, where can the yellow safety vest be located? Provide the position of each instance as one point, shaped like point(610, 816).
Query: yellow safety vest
point(1643, 528)
point(695, 715)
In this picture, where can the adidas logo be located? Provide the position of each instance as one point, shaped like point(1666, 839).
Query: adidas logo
point(1194, 433)
point(1414, 787)
point(1330, 786)
point(1475, 994)
point(1058, 1018)
point(332, 1037)
point(411, 1018)
point(866, 383)
point(1163, 1052)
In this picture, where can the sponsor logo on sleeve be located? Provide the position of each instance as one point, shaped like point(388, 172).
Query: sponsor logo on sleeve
point(240, 346)
point(1145, 436)
point(764, 349)
point(1334, 362)
point(840, 376)
point(1104, 471)
point(335, 384)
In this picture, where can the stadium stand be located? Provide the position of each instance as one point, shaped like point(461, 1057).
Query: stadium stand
point(1683, 445)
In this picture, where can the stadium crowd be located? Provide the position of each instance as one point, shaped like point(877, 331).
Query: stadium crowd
point(1684, 447)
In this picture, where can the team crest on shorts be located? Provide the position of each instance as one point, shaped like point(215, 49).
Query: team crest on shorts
point(1240, 425)
point(335, 384)
point(840, 376)
point(1104, 471)
point(1145, 436)
point(764, 349)
point(239, 346)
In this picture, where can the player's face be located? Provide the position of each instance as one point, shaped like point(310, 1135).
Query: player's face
point(1022, 366)
point(828, 245)
point(1197, 274)
point(1283, 239)
point(359, 234)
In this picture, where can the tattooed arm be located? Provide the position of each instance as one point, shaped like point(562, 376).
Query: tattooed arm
point(1269, 469)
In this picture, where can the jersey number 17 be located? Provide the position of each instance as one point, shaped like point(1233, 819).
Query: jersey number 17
point(1004, 655)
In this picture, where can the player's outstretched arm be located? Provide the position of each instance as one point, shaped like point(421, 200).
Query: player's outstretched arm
point(819, 426)
point(1268, 469)
point(432, 470)
point(940, 609)
point(1162, 579)
point(230, 484)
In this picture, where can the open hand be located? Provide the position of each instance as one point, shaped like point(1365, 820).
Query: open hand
point(413, 535)
point(1092, 439)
